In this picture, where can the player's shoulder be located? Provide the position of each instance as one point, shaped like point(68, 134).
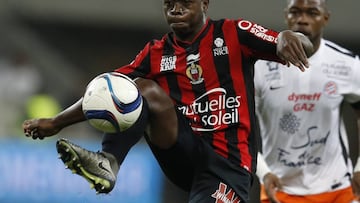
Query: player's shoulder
point(337, 49)
point(158, 43)
point(222, 24)
point(240, 23)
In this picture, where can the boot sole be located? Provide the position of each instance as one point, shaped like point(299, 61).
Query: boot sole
point(72, 161)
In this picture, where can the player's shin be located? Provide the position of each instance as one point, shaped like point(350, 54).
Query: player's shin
point(119, 144)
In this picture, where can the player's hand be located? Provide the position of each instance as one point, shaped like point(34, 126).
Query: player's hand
point(355, 183)
point(272, 184)
point(40, 128)
point(294, 48)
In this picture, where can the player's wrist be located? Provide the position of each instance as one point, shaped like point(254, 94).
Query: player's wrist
point(357, 165)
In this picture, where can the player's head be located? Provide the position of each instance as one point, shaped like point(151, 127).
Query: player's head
point(185, 17)
point(308, 17)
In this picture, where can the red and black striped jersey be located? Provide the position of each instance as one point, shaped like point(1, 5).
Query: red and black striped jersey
point(210, 80)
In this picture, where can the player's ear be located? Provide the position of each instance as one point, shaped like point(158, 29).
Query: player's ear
point(286, 13)
point(326, 17)
point(204, 5)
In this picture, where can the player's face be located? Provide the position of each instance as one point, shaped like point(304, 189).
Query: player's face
point(185, 17)
point(308, 17)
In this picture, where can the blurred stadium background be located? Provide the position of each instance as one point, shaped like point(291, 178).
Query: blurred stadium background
point(49, 51)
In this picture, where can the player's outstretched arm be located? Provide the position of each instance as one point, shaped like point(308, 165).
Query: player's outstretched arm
point(46, 127)
point(294, 48)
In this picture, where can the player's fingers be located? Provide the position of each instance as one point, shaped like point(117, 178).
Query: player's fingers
point(301, 55)
point(301, 67)
point(303, 48)
point(298, 57)
point(34, 133)
point(27, 133)
point(273, 197)
point(26, 125)
point(295, 61)
point(287, 63)
point(29, 124)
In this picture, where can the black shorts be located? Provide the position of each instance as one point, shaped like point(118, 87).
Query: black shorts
point(193, 165)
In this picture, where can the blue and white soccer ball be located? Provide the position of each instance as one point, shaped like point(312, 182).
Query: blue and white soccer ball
point(112, 102)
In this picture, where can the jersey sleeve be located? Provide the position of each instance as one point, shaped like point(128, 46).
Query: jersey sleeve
point(259, 41)
point(258, 81)
point(353, 96)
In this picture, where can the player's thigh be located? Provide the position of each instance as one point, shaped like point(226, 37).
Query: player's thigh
point(162, 130)
point(178, 162)
point(218, 180)
point(211, 188)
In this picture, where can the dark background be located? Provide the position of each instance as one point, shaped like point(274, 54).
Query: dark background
point(69, 42)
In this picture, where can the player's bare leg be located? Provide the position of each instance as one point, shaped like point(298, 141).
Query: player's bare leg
point(100, 168)
point(162, 126)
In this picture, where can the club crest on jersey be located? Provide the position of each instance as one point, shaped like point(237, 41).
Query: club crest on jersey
point(273, 66)
point(194, 71)
point(220, 49)
point(222, 195)
point(331, 89)
point(167, 63)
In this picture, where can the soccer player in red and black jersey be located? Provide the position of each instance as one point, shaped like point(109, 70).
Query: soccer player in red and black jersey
point(198, 117)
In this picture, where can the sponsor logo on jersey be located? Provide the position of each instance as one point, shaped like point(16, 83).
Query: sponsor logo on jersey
point(307, 148)
point(304, 102)
point(258, 30)
point(304, 97)
point(224, 195)
point(338, 69)
point(220, 49)
point(289, 123)
point(167, 63)
point(212, 114)
point(194, 71)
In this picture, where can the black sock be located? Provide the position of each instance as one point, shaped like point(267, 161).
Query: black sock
point(119, 144)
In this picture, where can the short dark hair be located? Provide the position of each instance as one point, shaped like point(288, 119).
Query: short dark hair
point(325, 1)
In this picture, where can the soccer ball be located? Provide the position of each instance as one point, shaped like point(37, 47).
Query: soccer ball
point(112, 102)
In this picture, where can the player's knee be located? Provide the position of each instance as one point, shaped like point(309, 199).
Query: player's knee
point(155, 96)
point(163, 125)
